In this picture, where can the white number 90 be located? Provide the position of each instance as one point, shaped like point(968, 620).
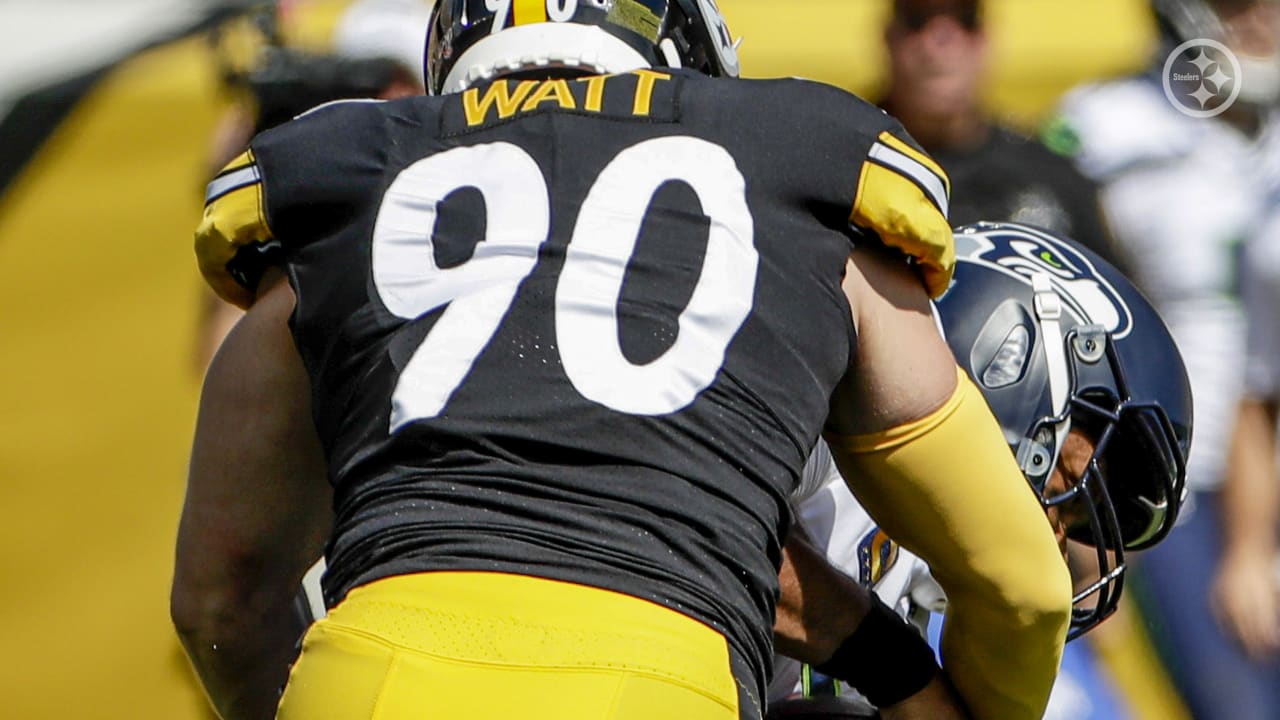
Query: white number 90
point(479, 292)
point(561, 10)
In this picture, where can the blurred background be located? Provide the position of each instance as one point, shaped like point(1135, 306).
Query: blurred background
point(113, 115)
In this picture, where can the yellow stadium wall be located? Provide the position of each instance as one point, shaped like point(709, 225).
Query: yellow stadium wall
point(1039, 48)
point(99, 293)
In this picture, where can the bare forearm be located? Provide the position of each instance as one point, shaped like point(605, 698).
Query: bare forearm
point(242, 655)
point(827, 619)
point(1251, 493)
point(937, 701)
point(818, 606)
point(256, 515)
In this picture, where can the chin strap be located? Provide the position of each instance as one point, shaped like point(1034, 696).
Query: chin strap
point(1048, 309)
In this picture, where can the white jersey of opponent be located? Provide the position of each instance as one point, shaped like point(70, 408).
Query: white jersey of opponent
point(834, 520)
point(831, 516)
point(1260, 283)
point(1182, 197)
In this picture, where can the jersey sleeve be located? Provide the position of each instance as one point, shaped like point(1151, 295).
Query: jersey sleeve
point(1085, 128)
point(923, 590)
point(234, 245)
point(297, 183)
point(903, 196)
point(864, 172)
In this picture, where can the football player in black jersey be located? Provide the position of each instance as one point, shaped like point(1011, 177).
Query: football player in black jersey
point(536, 361)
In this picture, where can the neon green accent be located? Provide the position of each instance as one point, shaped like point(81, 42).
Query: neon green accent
point(1060, 137)
point(1048, 257)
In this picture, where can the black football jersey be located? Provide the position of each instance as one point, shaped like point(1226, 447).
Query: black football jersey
point(581, 329)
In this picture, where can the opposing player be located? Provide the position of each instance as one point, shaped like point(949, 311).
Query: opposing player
point(1119, 479)
point(537, 362)
point(1092, 395)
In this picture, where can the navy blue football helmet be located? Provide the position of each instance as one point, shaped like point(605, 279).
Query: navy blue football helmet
point(470, 41)
point(1056, 338)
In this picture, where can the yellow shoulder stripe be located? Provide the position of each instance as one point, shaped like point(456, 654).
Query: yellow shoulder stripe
point(241, 160)
point(906, 217)
point(233, 219)
point(901, 146)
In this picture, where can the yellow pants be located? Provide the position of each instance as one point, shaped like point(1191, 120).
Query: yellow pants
point(481, 646)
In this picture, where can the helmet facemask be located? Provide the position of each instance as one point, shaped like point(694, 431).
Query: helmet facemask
point(1052, 335)
point(1128, 495)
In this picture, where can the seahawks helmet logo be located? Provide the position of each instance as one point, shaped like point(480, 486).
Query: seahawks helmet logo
point(1022, 252)
point(877, 553)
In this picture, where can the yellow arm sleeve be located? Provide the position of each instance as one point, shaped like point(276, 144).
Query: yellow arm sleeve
point(947, 488)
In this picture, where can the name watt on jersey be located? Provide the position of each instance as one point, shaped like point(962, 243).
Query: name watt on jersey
point(503, 99)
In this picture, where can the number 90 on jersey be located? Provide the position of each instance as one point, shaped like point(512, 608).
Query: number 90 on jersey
point(478, 294)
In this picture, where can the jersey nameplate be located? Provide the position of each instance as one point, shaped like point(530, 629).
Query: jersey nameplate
point(646, 95)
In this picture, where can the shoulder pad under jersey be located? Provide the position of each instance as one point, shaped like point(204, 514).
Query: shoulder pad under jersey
point(233, 237)
point(900, 195)
point(317, 168)
point(904, 197)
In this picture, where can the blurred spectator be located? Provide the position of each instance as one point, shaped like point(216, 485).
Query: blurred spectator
point(377, 53)
point(937, 62)
point(1181, 194)
point(393, 30)
point(1247, 588)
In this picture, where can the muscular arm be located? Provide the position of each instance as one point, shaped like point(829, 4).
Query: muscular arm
point(820, 606)
point(928, 461)
point(256, 515)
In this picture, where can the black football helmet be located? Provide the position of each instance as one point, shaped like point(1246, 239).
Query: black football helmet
point(469, 41)
point(1056, 338)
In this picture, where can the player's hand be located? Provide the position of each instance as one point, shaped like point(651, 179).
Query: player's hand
point(1246, 600)
point(937, 701)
